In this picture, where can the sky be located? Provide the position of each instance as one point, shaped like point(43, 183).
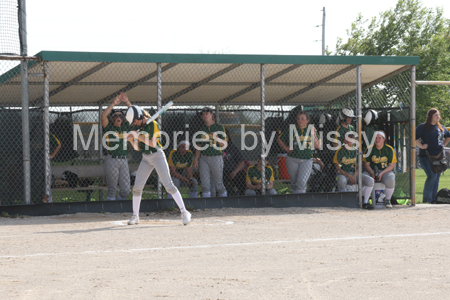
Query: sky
point(196, 26)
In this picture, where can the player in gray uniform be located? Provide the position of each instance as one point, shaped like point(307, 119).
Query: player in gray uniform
point(116, 162)
point(147, 141)
point(211, 159)
point(299, 161)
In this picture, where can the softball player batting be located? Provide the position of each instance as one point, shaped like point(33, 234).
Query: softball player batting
point(147, 141)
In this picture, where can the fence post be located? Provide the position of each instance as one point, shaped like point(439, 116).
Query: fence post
point(263, 130)
point(359, 126)
point(412, 173)
point(159, 93)
point(48, 175)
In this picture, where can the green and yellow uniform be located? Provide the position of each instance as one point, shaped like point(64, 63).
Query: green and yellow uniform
point(150, 131)
point(254, 175)
point(209, 130)
point(53, 142)
point(117, 138)
point(346, 158)
point(379, 158)
point(342, 131)
point(305, 142)
point(180, 162)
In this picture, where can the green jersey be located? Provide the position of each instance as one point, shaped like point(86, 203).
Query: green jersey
point(305, 142)
point(210, 142)
point(150, 131)
point(346, 158)
point(180, 162)
point(342, 131)
point(54, 142)
point(379, 158)
point(115, 139)
point(254, 175)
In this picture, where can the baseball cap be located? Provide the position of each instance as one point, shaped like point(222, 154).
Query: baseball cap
point(207, 109)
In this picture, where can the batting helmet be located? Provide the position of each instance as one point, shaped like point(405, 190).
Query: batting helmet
point(370, 117)
point(346, 113)
point(134, 112)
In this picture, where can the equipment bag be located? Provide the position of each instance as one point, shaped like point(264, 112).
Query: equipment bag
point(443, 197)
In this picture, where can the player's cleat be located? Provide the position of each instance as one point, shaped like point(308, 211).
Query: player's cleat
point(367, 206)
point(134, 220)
point(387, 203)
point(186, 217)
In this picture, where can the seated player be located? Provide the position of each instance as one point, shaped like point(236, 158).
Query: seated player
point(180, 166)
point(253, 183)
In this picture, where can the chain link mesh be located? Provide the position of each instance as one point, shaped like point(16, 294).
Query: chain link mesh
point(83, 169)
point(9, 28)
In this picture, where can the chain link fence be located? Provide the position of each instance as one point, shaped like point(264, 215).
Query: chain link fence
point(90, 160)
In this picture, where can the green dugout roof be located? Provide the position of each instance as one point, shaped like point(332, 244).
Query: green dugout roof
point(90, 78)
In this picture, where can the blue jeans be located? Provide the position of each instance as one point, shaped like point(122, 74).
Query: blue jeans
point(431, 186)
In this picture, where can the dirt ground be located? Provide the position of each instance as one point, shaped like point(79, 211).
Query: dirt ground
point(268, 253)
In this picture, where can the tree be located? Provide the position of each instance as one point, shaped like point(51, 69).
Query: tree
point(409, 29)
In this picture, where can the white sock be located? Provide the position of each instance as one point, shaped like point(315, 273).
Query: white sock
point(136, 205)
point(366, 191)
point(206, 194)
point(223, 195)
point(179, 201)
point(389, 193)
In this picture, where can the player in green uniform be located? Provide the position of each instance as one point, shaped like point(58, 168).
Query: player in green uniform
point(180, 165)
point(253, 180)
point(116, 162)
point(209, 156)
point(346, 166)
point(299, 145)
point(147, 141)
point(379, 161)
point(346, 116)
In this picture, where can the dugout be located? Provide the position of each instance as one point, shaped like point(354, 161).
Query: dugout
point(261, 92)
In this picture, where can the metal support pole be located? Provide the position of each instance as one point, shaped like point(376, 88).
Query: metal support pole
point(100, 146)
point(218, 114)
point(263, 130)
point(48, 175)
point(159, 97)
point(359, 126)
point(323, 32)
point(412, 173)
point(25, 103)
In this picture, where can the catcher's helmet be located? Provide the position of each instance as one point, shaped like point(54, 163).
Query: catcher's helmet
point(134, 112)
point(370, 117)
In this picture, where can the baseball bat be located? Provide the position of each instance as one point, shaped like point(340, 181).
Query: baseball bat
point(160, 112)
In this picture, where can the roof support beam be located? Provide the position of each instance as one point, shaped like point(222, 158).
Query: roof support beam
point(369, 84)
point(257, 84)
point(202, 82)
point(65, 85)
point(314, 85)
point(136, 83)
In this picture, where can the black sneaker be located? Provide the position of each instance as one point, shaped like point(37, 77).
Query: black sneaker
point(367, 206)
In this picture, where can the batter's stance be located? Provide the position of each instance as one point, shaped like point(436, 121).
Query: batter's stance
point(147, 141)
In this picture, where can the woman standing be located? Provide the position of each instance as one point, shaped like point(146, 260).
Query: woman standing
point(430, 137)
point(379, 161)
point(300, 151)
point(147, 141)
point(116, 162)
